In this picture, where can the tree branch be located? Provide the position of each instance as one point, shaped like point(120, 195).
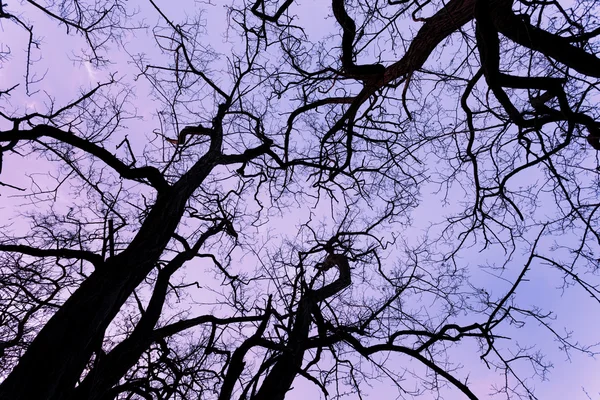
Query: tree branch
point(59, 253)
point(151, 174)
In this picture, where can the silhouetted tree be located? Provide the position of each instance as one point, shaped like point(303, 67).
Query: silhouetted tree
point(261, 227)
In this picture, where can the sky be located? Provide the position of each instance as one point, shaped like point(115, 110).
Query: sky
point(63, 79)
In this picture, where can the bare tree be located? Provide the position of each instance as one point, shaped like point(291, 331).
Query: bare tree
point(163, 264)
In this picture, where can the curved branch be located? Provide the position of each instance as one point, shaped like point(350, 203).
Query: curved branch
point(367, 351)
point(270, 18)
point(151, 174)
point(349, 34)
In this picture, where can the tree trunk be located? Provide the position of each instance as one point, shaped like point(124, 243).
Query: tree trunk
point(54, 361)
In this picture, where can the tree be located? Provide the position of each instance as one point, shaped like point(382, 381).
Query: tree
point(293, 166)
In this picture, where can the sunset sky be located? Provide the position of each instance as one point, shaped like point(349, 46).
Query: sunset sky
point(64, 78)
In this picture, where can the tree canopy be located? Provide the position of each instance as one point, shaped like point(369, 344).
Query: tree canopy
point(251, 198)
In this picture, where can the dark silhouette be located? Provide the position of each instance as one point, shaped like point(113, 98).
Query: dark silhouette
point(153, 271)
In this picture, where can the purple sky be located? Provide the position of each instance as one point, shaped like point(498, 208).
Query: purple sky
point(63, 80)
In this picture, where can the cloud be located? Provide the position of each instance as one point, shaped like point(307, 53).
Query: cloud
point(90, 71)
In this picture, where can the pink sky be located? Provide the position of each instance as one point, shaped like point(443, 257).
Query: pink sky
point(64, 79)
